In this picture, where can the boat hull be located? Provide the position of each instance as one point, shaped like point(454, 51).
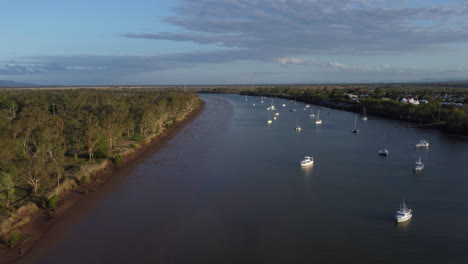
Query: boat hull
point(306, 164)
point(403, 218)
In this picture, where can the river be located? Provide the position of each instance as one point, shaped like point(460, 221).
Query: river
point(229, 189)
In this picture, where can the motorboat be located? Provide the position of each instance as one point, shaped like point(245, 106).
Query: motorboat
point(307, 161)
point(418, 165)
point(277, 114)
point(307, 106)
point(269, 121)
point(284, 105)
point(383, 152)
point(274, 118)
point(422, 144)
point(404, 213)
point(298, 128)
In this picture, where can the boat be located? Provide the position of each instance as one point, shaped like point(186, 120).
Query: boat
point(311, 113)
point(307, 161)
point(383, 152)
point(404, 213)
point(298, 128)
point(274, 118)
point(253, 104)
point(364, 115)
point(283, 105)
point(317, 119)
point(422, 144)
point(418, 165)
point(272, 107)
point(293, 110)
point(277, 114)
point(307, 106)
point(355, 129)
point(269, 121)
point(262, 100)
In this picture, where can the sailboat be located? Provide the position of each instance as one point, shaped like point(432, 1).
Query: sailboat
point(272, 107)
point(298, 128)
point(317, 119)
point(262, 100)
point(364, 115)
point(311, 113)
point(355, 130)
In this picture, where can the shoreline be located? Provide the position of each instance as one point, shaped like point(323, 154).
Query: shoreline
point(74, 204)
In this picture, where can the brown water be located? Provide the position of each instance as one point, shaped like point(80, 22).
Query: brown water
point(228, 189)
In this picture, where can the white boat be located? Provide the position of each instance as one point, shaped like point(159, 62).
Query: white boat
point(307, 161)
point(269, 122)
point(262, 100)
point(272, 107)
point(298, 128)
point(404, 213)
point(364, 115)
point(383, 152)
point(277, 114)
point(307, 106)
point(355, 129)
point(422, 144)
point(274, 118)
point(418, 165)
point(311, 113)
point(253, 104)
point(317, 119)
point(284, 105)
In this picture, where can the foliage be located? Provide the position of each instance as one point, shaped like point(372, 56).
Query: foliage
point(52, 203)
point(13, 238)
point(38, 127)
point(118, 159)
point(84, 180)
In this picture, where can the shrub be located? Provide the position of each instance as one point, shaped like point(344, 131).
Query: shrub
point(13, 238)
point(52, 203)
point(84, 179)
point(118, 159)
point(136, 137)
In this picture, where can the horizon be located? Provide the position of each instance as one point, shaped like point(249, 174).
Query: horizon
point(234, 42)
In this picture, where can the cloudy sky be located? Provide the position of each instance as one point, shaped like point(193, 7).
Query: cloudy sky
point(105, 42)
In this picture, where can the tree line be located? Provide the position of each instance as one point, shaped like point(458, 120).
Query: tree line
point(46, 133)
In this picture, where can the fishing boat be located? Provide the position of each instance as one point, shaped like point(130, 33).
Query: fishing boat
point(404, 213)
point(307, 161)
point(364, 115)
point(317, 119)
point(355, 129)
point(418, 165)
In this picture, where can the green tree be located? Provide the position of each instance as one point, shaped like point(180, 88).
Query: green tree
point(6, 186)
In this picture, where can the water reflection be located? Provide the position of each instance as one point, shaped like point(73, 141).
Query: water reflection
point(403, 226)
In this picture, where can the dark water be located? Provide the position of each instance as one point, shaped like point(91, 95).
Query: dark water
point(229, 189)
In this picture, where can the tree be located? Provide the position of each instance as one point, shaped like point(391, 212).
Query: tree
point(6, 186)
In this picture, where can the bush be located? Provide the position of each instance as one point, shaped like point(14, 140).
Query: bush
point(84, 179)
point(13, 238)
point(118, 159)
point(75, 157)
point(52, 203)
point(136, 137)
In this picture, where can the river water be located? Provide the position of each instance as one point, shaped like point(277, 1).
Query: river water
point(229, 189)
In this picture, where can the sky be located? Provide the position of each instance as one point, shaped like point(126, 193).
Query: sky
point(144, 42)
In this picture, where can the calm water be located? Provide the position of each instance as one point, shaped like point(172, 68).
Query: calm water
point(229, 189)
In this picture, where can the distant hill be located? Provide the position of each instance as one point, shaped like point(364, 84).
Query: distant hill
point(7, 83)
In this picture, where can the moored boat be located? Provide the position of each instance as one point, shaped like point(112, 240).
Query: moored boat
point(307, 161)
point(404, 213)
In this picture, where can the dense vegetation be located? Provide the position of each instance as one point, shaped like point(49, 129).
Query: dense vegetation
point(47, 134)
point(380, 99)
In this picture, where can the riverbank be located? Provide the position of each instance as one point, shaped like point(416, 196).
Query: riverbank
point(76, 200)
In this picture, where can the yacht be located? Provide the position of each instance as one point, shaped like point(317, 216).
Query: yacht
point(298, 128)
point(311, 113)
point(418, 165)
point(422, 144)
point(317, 119)
point(383, 152)
point(355, 129)
point(364, 115)
point(404, 213)
point(307, 161)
